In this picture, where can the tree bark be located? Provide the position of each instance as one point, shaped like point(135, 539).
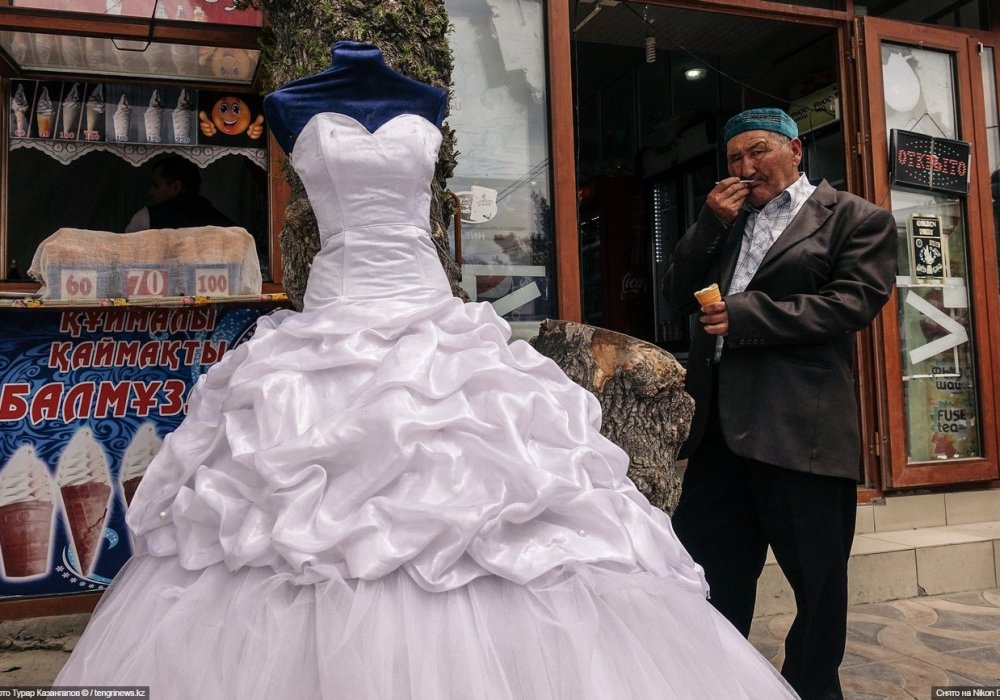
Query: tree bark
point(641, 391)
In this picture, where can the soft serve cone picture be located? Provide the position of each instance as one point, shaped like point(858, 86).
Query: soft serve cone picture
point(95, 115)
point(153, 118)
point(122, 118)
point(20, 107)
point(25, 515)
point(45, 114)
point(85, 487)
point(139, 453)
point(70, 113)
point(181, 118)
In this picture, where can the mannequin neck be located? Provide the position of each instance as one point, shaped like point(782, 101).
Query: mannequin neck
point(359, 84)
point(355, 54)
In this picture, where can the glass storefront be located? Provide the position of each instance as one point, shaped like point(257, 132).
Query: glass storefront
point(935, 312)
point(80, 156)
point(499, 111)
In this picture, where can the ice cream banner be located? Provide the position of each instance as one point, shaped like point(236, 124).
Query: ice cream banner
point(134, 114)
point(86, 399)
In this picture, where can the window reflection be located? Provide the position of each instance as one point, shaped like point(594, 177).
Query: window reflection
point(499, 114)
point(935, 315)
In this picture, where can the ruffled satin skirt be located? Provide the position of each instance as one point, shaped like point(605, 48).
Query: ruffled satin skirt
point(383, 499)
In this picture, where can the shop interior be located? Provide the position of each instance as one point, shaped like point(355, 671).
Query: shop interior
point(654, 85)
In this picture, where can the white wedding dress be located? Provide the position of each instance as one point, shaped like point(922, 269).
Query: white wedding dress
point(379, 497)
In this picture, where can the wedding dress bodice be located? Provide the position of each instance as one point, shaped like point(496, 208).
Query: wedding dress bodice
point(371, 196)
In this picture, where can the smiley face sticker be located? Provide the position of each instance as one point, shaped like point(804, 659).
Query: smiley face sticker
point(231, 115)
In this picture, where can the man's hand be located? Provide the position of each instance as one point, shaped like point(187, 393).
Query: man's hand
point(715, 318)
point(726, 198)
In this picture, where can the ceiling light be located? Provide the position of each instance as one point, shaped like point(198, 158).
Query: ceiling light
point(695, 73)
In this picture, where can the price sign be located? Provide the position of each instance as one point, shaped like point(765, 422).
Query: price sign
point(78, 284)
point(141, 282)
point(212, 281)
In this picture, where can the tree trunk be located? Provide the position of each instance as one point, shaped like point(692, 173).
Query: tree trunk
point(413, 37)
point(641, 390)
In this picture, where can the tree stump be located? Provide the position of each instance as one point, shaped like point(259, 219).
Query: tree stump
point(641, 391)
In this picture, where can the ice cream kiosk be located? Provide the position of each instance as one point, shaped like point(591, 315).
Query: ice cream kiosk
point(104, 333)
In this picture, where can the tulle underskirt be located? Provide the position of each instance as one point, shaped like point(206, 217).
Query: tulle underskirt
point(575, 633)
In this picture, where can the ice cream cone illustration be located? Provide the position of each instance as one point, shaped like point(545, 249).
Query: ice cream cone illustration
point(70, 112)
point(19, 47)
point(153, 118)
point(184, 56)
point(123, 115)
point(94, 50)
point(181, 118)
point(95, 114)
point(45, 44)
point(139, 453)
point(708, 295)
point(45, 114)
point(25, 515)
point(72, 50)
point(20, 106)
point(85, 487)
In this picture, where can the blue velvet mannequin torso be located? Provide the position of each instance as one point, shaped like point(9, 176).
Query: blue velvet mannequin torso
point(357, 84)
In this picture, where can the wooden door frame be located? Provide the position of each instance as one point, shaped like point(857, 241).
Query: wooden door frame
point(896, 472)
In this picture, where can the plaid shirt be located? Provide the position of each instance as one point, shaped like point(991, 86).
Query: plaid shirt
point(762, 229)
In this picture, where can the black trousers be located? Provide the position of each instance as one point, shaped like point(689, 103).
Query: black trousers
point(731, 508)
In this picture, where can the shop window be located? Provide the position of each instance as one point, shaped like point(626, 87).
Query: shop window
point(80, 155)
point(993, 138)
point(138, 59)
point(935, 313)
point(499, 111)
point(214, 11)
point(964, 14)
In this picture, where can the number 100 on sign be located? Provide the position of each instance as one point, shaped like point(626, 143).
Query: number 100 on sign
point(212, 281)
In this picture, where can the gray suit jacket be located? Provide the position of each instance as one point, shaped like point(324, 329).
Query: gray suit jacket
point(786, 379)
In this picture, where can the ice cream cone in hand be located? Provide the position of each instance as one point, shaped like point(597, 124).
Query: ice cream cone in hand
point(708, 295)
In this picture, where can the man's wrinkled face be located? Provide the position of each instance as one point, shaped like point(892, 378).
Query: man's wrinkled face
point(766, 158)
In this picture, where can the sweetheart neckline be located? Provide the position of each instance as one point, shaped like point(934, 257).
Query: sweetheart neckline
point(364, 128)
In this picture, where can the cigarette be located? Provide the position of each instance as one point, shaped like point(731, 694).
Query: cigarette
point(742, 182)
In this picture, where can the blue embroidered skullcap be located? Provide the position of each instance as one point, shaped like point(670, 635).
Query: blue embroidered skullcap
point(761, 119)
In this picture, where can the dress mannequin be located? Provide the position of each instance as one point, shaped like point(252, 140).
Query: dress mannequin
point(358, 84)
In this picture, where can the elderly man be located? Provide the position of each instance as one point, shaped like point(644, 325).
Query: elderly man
point(774, 449)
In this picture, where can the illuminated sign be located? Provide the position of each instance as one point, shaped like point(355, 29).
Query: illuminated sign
point(922, 162)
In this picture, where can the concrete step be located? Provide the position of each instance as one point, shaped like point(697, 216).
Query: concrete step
point(910, 546)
